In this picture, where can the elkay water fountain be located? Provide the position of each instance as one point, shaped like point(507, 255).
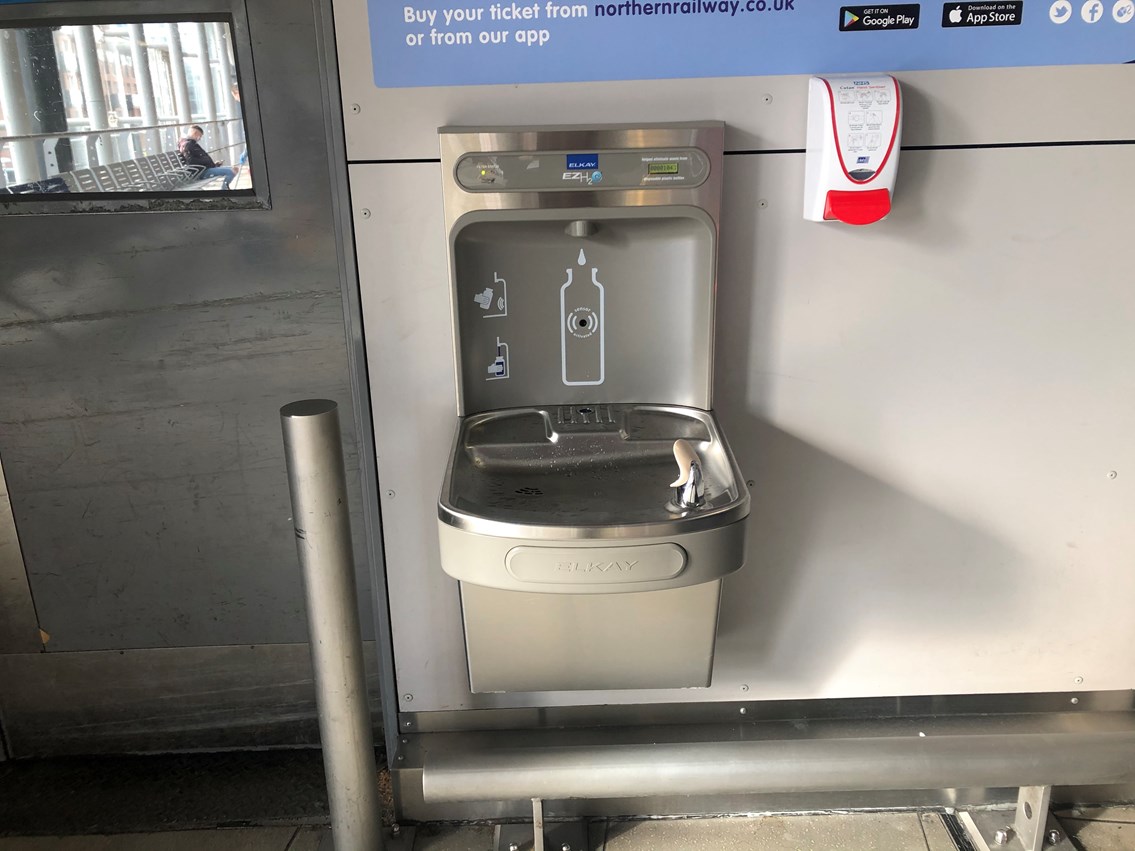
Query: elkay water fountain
point(592, 505)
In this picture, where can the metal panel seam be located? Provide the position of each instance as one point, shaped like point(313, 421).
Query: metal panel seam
point(356, 362)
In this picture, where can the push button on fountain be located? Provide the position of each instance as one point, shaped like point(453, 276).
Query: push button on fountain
point(595, 565)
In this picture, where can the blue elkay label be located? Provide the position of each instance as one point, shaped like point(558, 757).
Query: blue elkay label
point(473, 42)
point(579, 162)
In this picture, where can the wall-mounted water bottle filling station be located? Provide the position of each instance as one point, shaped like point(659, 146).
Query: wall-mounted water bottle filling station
point(591, 505)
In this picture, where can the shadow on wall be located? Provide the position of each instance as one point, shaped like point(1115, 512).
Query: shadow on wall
point(837, 556)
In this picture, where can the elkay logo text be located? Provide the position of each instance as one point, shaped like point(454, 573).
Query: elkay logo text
point(595, 566)
point(579, 162)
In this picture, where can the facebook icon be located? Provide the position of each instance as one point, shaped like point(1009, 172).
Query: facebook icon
point(1092, 11)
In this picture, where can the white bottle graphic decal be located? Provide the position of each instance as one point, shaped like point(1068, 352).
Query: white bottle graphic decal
point(582, 332)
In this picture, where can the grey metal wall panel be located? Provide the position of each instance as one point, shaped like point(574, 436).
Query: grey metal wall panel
point(944, 107)
point(143, 358)
point(154, 507)
point(185, 698)
point(405, 293)
point(930, 410)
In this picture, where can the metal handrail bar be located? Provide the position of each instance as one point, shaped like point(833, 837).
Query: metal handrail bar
point(877, 755)
point(110, 130)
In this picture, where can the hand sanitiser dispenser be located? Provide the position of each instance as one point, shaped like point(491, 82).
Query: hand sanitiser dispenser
point(854, 133)
point(591, 507)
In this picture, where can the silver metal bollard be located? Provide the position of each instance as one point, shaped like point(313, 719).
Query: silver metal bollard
point(314, 455)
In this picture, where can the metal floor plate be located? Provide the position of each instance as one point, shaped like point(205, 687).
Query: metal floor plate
point(561, 836)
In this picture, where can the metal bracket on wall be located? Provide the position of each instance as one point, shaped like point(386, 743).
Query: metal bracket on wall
point(1028, 827)
point(561, 836)
point(400, 838)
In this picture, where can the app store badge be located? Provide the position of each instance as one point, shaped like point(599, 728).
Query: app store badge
point(1004, 13)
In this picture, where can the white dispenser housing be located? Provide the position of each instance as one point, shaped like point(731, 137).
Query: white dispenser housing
point(854, 134)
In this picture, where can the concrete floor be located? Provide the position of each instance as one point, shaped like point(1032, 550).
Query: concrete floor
point(1092, 829)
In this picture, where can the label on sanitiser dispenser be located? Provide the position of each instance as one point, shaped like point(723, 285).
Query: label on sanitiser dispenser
point(582, 333)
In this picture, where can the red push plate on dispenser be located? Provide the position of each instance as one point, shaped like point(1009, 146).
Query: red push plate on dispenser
point(857, 208)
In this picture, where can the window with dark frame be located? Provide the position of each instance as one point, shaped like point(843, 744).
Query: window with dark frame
point(120, 109)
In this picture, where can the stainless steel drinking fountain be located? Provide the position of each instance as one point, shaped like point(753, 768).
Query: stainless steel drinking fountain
point(591, 506)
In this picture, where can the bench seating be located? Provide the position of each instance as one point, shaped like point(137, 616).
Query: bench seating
point(156, 173)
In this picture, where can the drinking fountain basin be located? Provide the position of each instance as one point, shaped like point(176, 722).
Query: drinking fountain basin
point(577, 499)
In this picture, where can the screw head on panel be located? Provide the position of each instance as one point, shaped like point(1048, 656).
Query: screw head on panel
point(744, 686)
point(565, 847)
point(750, 482)
point(407, 697)
point(1078, 680)
point(512, 846)
point(744, 711)
point(1112, 474)
point(356, 109)
point(766, 99)
point(390, 494)
point(763, 204)
point(1003, 835)
point(1054, 836)
point(365, 213)
point(407, 723)
point(1075, 700)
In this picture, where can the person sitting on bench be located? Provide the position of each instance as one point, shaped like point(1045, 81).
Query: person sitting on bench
point(193, 154)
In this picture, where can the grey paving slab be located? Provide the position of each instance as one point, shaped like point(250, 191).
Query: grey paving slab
point(306, 839)
point(250, 839)
point(1100, 835)
point(937, 837)
point(56, 843)
point(1113, 813)
point(597, 834)
point(831, 832)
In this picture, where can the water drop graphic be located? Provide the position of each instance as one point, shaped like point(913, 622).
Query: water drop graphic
point(582, 259)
